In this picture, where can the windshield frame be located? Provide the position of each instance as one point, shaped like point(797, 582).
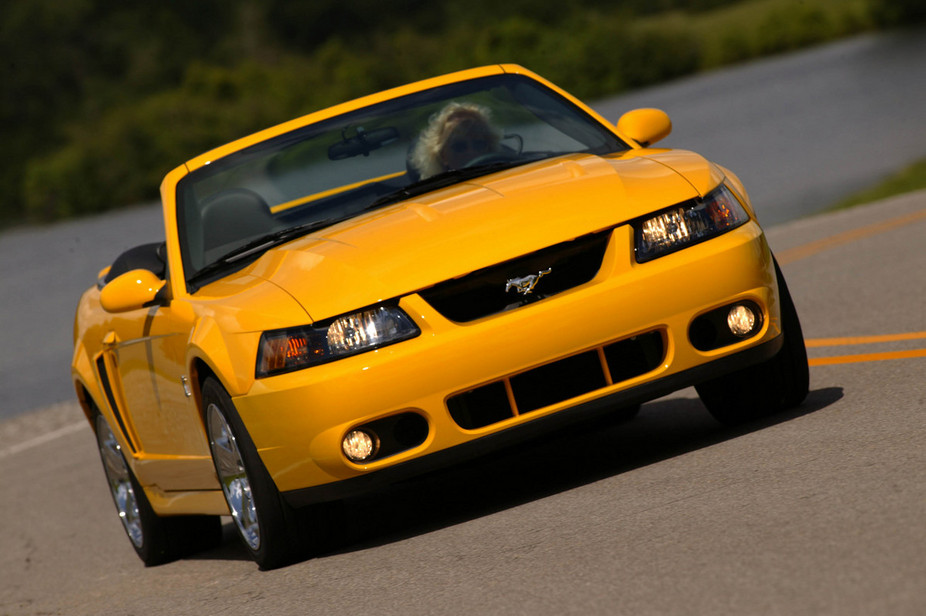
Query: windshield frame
point(578, 116)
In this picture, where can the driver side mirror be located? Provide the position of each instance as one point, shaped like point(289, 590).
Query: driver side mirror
point(645, 126)
point(130, 291)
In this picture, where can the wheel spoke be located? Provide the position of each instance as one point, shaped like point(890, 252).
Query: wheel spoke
point(233, 476)
point(120, 483)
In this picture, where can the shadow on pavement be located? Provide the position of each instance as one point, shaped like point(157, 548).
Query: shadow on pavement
point(584, 454)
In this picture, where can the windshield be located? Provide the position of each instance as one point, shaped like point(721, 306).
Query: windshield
point(317, 175)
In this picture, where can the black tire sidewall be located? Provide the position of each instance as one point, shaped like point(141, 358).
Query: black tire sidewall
point(156, 546)
point(795, 369)
point(779, 383)
point(279, 542)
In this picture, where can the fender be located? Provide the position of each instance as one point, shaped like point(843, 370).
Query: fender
point(85, 382)
point(733, 182)
point(209, 344)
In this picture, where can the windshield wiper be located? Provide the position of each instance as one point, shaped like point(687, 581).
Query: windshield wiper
point(258, 246)
point(266, 242)
point(441, 180)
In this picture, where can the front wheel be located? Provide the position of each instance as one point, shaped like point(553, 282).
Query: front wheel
point(156, 539)
point(776, 384)
point(268, 526)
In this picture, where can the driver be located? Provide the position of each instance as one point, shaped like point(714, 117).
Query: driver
point(454, 137)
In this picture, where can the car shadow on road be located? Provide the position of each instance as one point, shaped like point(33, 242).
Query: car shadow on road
point(581, 455)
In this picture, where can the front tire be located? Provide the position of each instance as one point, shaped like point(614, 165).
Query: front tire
point(268, 526)
point(776, 384)
point(156, 539)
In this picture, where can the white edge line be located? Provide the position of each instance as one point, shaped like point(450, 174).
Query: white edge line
point(41, 440)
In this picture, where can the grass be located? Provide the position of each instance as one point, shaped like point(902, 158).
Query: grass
point(755, 28)
point(909, 179)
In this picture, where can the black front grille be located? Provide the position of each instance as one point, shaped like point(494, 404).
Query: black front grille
point(558, 381)
point(484, 292)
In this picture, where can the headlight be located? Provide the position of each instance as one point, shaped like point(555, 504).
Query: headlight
point(284, 350)
point(689, 223)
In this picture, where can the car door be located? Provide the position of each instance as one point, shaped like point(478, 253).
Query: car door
point(144, 350)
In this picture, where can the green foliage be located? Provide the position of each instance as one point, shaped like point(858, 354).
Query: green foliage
point(764, 27)
point(123, 157)
point(101, 98)
point(898, 12)
point(906, 180)
point(70, 63)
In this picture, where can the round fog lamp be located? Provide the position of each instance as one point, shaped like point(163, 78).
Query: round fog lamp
point(358, 445)
point(741, 320)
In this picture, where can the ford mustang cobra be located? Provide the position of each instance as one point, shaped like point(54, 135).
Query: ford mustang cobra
point(407, 280)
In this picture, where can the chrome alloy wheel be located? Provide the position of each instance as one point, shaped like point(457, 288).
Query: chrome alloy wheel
point(120, 483)
point(233, 476)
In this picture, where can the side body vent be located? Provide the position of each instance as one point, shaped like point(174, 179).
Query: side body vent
point(111, 398)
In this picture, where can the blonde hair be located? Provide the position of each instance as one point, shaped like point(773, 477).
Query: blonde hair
point(426, 155)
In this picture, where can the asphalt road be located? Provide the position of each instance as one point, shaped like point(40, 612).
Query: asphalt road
point(807, 129)
point(817, 511)
point(801, 130)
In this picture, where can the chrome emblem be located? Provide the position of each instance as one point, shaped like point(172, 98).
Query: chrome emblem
point(525, 284)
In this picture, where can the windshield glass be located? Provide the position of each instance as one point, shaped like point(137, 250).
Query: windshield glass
point(335, 169)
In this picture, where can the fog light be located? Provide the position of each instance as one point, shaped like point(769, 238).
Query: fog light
point(741, 320)
point(359, 445)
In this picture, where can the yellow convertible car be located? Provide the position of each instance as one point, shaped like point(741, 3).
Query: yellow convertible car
point(408, 280)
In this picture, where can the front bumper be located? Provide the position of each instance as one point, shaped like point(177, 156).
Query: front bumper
point(531, 429)
point(298, 420)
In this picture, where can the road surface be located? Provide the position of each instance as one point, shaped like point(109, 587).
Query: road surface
point(801, 130)
point(816, 511)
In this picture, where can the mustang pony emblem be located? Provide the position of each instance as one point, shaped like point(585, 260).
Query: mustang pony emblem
point(525, 285)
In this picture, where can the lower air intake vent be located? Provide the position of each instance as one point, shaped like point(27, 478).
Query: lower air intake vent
point(558, 381)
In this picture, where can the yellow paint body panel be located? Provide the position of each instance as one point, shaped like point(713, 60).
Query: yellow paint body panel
point(309, 411)
point(142, 367)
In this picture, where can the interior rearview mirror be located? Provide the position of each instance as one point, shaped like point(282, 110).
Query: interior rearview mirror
point(362, 142)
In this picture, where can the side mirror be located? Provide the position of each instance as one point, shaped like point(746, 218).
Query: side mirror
point(645, 126)
point(130, 291)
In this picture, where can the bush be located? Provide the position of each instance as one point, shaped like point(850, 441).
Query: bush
point(122, 157)
point(898, 12)
point(791, 28)
point(96, 114)
point(656, 55)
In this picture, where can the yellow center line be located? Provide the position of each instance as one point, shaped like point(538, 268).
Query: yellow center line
point(851, 359)
point(824, 342)
point(807, 250)
point(865, 357)
point(801, 252)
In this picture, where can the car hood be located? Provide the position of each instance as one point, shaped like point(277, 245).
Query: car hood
point(415, 244)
